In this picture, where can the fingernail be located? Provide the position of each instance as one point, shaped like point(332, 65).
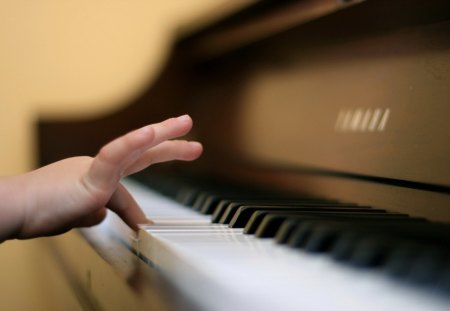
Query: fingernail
point(184, 118)
point(196, 144)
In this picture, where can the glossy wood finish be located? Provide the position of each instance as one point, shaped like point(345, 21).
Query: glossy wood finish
point(298, 109)
point(105, 275)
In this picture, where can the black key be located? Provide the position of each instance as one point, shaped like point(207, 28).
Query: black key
point(346, 242)
point(286, 229)
point(324, 235)
point(244, 213)
point(371, 251)
point(211, 202)
point(412, 250)
point(266, 223)
point(226, 210)
point(214, 193)
point(342, 249)
point(370, 240)
point(277, 216)
point(221, 207)
point(201, 199)
point(186, 196)
point(427, 265)
point(398, 262)
point(443, 282)
point(376, 243)
point(300, 234)
point(233, 210)
point(321, 238)
point(399, 254)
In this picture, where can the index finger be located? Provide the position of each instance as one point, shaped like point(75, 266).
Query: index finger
point(112, 161)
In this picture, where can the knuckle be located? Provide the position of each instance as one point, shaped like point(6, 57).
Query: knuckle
point(104, 153)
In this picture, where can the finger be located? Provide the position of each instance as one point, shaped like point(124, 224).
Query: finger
point(109, 164)
point(92, 219)
point(171, 128)
point(167, 151)
point(124, 205)
point(120, 149)
point(114, 158)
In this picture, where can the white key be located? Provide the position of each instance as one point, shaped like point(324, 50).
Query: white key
point(223, 269)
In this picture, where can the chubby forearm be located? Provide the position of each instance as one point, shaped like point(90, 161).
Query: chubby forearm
point(12, 204)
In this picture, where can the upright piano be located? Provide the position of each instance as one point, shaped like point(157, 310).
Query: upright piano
point(325, 182)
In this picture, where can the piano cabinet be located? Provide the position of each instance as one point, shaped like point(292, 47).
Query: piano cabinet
point(346, 100)
point(347, 94)
point(103, 274)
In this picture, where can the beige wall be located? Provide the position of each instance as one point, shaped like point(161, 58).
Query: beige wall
point(29, 281)
point(80, 58)
point(74, 58)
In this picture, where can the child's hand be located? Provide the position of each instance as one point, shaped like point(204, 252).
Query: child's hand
point(76, 192)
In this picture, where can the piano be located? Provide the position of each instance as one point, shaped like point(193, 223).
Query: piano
point(325, 182)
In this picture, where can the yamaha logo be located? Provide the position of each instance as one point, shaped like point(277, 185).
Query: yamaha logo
point(362, 120)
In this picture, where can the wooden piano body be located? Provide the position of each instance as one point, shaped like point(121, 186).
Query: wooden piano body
point(341, 99)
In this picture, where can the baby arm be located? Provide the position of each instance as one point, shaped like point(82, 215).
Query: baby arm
point(76, 192)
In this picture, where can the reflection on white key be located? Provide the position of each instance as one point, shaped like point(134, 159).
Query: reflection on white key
point(162, 221)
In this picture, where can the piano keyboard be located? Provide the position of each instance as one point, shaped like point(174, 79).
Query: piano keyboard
point(238, 250)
